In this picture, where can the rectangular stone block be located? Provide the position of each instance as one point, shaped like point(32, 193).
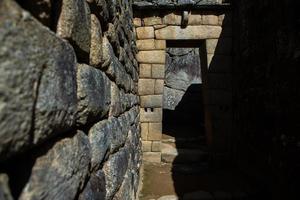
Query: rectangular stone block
point(210, 20)
point(219, 63)
point(144, 130)
point(195, 18)
point(159, 86)
point(145, 32)
point(172, 19)
point(158, 71)
point(146, 86)
point(155, 57)
point(160, 44)
point(221, 46)
point(156, 146)
point(154, 157)
point(151, 101)
point(150, 114)
point(146, 146)
point(190, 32)
point(145, 71)
point(150, 44)
point(137, 22)
point(155, 131)
point(153, 20)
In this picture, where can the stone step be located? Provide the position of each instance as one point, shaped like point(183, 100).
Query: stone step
point(170, 154)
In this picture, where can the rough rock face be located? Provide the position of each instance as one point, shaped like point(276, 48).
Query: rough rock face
point(37, 83)
point(68, 100)
point(182, 70)
point(175, 2)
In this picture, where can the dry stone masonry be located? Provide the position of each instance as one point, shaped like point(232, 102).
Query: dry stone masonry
point(69, 108)
point(210, 29)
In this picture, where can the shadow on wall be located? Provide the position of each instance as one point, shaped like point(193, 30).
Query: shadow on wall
point(206, 169)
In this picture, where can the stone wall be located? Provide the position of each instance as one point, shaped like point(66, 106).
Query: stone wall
point(210, 32)
point(69, 108)
point(267, 94)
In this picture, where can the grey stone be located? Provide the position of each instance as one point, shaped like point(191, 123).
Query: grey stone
point(171, 98)
point(5, 193)
point(93, 94)
point(114, 170)
point(126, 191)
point(74, 24)
point(100, 143)
point(95, 187)
point(118, 133)
point(37, 81)
point(96, 42)
point(61, 172)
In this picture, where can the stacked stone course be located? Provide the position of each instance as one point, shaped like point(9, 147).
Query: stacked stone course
point(153, 31)
point(68, 84)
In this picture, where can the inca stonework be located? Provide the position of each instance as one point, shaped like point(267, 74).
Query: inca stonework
point(209, 29)
point(69, 108)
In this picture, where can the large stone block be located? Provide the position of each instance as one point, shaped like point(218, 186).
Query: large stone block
point(144, 130)
point(5, 193)
point(155, 57)
point(190, 32)
point(96, 42)
point(137, 22)
point(155, 131)
point(151, 101)
point(151, 115)
point(95, 187)
point(154, 157)
point(145, 32)
point(146, 146)
point(150, 44)
point(146, 86)
point(195, 18)
point(74, 24)
point(145, 71)
point(156, 146)
point(159, 86)
point(37, 84)
point(172, 19)
point(93, 94)
point(158, 71)
point(61, 172)
point(210, 19)
point(153, 20)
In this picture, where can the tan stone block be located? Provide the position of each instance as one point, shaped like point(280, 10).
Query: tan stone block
point(156, 146)
point(148, 44)
point(159, 86)
point(160, 44)
point(150, 114)
point(195, 19)
point(146, 146)
point(137, 22)
point(156, 57)
point(145, 32)
point(155, 131)
point(221, 19)
point(145, 71)
point(146, 86)
point(150, 21)
point(159, 26)
point(154, 157)
point(172, 19)
point(144, 130)
point(210, 20)
point(190, 32)
point(151, 101)
point(158, 71)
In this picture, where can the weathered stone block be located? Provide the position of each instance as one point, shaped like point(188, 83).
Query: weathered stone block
point(145, 32)
point(156, 146)
point(38, 84)
point(93, 94)
point(158, 71)
point(155, 57)
point(159, 86)
point(5, 193)
point(155, 131)
point(95, 188)
point(154, 157)
point(61, 172)
point(195, 18)
point(151, 115)
point(151, 101)
point(190, 32)
point(150, 44)
point(145, 71)
point(146, 146)
point(144, 130)
point(172, 19)
point(153, 20)
point(96, 42)
point(74, 24)
point(210, 20)
point(137, 22)
point(146, 86)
